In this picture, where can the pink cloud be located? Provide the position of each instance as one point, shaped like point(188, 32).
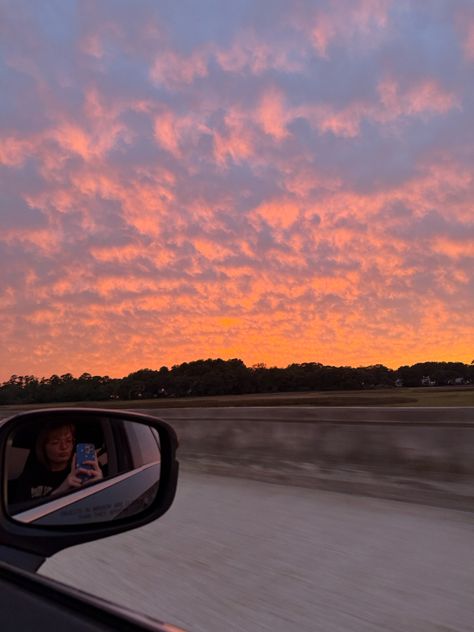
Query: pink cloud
point(166, 132)
point(173, 131)
point(346, 22)
point(237, 141)
point(464, 22)
point(425, 97)
point(98, 137)
point(250, 53)
point(469, 41)
point(172, 69)
point(91, 44)
point(14, 151)
point(271, 113)
point(343, 122)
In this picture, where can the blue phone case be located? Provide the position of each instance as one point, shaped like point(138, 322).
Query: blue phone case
point(84, 452)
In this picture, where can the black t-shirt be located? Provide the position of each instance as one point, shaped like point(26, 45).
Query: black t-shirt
point(36, 482)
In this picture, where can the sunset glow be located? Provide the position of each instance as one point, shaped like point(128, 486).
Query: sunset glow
point(275, 181)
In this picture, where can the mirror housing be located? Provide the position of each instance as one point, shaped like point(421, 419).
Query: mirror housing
point(45, 540)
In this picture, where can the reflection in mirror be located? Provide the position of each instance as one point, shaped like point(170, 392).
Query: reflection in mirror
point(77, 469)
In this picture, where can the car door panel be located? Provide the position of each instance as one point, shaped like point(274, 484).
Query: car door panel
point(33, 602)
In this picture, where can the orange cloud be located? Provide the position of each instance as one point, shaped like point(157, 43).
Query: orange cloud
point(45, 317)
point(210, 250)
point(110, 285)
point(46, 240)
point(117, 253)
point(75, 139)
point(455, 250)
point(280, 213)
point(290, 190)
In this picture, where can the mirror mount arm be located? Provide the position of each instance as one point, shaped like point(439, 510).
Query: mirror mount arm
point(21, 559)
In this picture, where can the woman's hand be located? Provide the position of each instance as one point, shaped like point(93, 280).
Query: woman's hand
point(80, 476)
point(94, 472)
point(72, 481)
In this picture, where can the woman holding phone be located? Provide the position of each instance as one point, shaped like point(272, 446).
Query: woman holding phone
point(51, 468)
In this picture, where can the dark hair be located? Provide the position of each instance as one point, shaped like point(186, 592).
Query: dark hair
point(44, 435)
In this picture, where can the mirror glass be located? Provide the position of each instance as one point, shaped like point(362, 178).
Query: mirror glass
point(72, 469)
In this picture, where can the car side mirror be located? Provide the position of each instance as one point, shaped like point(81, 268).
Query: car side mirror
point(71, 475)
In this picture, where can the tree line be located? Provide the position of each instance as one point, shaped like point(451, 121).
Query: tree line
point(227, 377)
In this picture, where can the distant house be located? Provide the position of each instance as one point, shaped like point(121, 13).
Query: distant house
point(461, 381)
point(427, 381)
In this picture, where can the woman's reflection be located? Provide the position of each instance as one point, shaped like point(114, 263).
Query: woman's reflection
point(51, 469)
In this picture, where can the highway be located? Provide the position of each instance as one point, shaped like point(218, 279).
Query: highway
point(242, 555)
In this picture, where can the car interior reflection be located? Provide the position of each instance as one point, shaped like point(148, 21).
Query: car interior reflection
point(61, 472)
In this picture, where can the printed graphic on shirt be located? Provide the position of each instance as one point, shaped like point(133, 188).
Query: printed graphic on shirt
point(41, 490)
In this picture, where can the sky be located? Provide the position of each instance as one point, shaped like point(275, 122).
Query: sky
point(277, 181)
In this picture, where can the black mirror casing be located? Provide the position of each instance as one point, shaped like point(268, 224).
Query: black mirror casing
point(45, 541)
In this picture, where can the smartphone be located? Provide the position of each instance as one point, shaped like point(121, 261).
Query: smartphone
point(84, 452)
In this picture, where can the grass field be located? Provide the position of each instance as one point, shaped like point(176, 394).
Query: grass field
point(428, 396)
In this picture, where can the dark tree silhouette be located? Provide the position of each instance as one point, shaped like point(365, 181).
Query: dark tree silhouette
point(225, 377)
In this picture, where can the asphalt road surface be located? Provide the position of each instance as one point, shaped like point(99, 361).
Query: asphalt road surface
point(239, 555)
